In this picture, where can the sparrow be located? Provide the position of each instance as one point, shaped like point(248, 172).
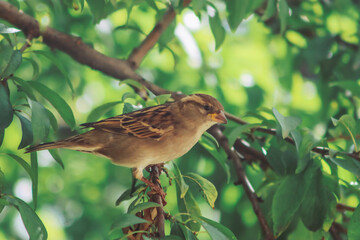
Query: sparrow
point(149, 136)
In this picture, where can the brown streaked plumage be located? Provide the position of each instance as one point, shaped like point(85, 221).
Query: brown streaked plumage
point(148, 136)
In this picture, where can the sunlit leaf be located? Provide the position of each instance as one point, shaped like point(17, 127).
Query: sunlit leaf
point(143, 206)
point(6, 115)
point(101, 110)
point(163, 98)
point(207, 188)
point(180, 181)
point(287, 123)
point(348, 123)
point(5, 29)
point(216, 230)
point(27, 135)
point(32, 222)
point(189, 205)
point(347, 163)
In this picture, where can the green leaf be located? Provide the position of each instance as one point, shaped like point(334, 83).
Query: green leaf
point(346, 162)
point(23, 163)
point(101, 110)
point(143, 206)
point(207, 188)
point(350, 85)
point(128, 194)
point(6, 30)
point(316, 202)
point(25, 87)
point(58, 102)
point(35, 66)
point(287, 201)
point(270, 10)
point(354, 230)
point(52, 119)
point(282, 158)
point(13, 64)
point(125, 220)
point(308, 142)
point(2, 185)
point(236, 132)
point(100, 9)
point(180, 181)
point(32, 222)
point(348, 123)
point(55, 154)
point(239, 10)
point(35, 179)
point(59, 66)
point(163, 98)
point(217, 29)
point(40, 122)
point(27, 135)
point(181, 231)
point(215, 229)
point(6, 52)
point(287, 123)
point(283, 14)
point(189, 205)
point(6, 115)
point(2, 133)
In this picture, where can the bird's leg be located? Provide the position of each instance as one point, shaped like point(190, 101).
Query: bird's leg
point(137, 172)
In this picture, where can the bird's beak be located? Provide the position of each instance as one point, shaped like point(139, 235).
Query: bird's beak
point(218, 117)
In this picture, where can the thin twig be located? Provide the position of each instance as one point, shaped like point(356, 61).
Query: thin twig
point(160, 217)
point(242, 178)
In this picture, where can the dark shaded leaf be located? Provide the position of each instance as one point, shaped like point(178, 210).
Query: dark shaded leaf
point(316, 202)
point(35, 179)
point(32, 222)
point(40, 122)
point(35, 66)
point(354, 230)
point(27, 135)
point(207, 188)
point(282, 158)
point(287, 200)
point(181, 231)
point(283, 14)
point(2, 133)
point(6, 115)
point(58, 102)
point(13, 64)
point(52, 119)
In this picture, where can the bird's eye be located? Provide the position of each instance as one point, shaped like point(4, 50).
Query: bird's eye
point(207, 107)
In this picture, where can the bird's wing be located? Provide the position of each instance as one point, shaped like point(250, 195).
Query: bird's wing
point(151, 122)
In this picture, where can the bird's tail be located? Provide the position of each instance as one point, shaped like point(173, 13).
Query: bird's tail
point(46, 146)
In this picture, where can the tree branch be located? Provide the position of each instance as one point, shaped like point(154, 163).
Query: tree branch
point(242, 178)
point(139, 53)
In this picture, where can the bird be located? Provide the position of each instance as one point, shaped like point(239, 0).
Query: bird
point(148, 136)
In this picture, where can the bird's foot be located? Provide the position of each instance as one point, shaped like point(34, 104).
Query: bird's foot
point(155, 189)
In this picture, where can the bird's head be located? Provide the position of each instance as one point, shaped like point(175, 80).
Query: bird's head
point(204, 106)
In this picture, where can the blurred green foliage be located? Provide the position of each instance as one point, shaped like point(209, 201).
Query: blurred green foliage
point(285, 64)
